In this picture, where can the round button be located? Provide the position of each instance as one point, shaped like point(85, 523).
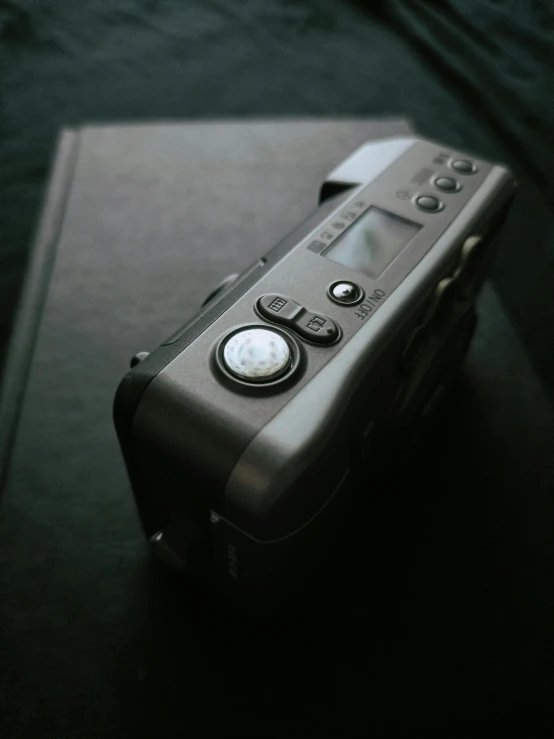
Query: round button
point(446, 184)
point(463, 166)
point(345, 293)
point(429, 203)
point(257, 355)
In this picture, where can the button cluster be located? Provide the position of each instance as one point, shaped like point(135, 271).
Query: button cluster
point(445, 183)
point(313, 327)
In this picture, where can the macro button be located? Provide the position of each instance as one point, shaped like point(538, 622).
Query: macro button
point(463, 166)
point(429, 203)
point(311, 326)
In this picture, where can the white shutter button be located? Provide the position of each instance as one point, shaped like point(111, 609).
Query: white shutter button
point(257, 354)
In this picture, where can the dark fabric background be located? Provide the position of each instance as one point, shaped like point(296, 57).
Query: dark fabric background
point(478, 74)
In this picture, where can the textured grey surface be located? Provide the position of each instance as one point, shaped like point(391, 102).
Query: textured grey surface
point(94, 642)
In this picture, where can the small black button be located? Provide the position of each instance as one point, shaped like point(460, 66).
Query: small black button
point(314, 327)
point(446, 184)
point(345, 293)
point(429, 203)
point(463, 166)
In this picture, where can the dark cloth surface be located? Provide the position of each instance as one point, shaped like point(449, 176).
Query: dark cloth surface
point(437, 615)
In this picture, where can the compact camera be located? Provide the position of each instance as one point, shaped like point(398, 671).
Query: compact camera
point(245, 432)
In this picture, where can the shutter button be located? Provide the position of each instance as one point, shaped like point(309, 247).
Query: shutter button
point(257, 355)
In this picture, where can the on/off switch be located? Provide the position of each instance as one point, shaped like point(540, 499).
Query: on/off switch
point(345, 293)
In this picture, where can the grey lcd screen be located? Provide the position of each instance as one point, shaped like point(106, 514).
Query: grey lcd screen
point(371, 244)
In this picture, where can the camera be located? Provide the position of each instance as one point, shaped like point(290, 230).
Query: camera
point(245, 433)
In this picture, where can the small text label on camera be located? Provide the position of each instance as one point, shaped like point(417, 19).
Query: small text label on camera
point(369, 303)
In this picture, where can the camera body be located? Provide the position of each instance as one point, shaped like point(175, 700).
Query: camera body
point(244, 433)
